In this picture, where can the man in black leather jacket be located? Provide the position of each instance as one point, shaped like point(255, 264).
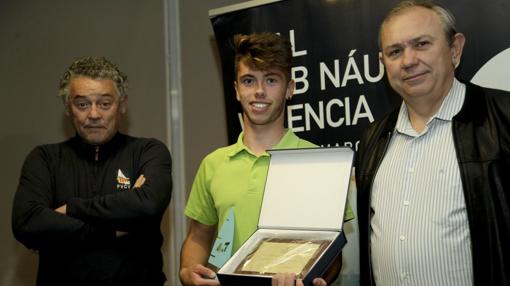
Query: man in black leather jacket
point(420, 63)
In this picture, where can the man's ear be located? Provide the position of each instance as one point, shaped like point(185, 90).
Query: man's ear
point(67, 108)
point(289, 92)
point(381, 58)
point(237, 92)
point(123, 104)
point(457, 47)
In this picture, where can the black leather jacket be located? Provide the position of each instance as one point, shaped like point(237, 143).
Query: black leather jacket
point(481, 134)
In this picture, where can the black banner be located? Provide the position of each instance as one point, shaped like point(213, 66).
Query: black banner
point(340, 83)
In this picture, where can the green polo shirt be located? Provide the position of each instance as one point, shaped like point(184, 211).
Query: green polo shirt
point(233, 176)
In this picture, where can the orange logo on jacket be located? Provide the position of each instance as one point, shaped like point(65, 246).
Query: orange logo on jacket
point(123, 182)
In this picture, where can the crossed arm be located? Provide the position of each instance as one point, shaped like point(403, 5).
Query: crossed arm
point(139, 183)
point(37, 224)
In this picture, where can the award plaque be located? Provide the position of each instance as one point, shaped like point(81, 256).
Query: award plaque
point(301, 217)
point(273, 256)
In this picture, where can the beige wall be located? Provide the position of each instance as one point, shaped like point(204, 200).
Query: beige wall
point(38, 40)
point(204, 112)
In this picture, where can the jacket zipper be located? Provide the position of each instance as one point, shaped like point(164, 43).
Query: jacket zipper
point(96, 155)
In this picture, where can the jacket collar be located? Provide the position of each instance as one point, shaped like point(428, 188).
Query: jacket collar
point(97, 153)
point(472, 110)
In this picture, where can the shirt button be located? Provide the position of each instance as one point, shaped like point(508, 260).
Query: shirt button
point(411, 170)
point(402, 237)
point(403, 275)
point(406, 203)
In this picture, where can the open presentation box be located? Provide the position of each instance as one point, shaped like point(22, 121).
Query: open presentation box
point(301, 218)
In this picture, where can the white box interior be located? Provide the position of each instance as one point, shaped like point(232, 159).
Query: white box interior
point(306, 189)
point(261, 234)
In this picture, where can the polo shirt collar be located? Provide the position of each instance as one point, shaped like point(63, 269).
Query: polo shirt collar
point(288, 139)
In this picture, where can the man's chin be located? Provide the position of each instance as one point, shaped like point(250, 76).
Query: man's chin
point(262, 119)
point(95, 139)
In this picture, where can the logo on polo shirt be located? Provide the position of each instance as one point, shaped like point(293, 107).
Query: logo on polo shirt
point(123, 182)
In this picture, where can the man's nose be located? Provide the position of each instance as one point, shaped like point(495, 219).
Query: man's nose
point(94, 112)
point(409, 58)
point(260, 90)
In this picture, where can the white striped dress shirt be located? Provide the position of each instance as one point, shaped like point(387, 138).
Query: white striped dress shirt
point(420, 233)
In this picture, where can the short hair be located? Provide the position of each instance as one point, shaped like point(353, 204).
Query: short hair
point(446, 17)
point(95, 68)
point(263, 51)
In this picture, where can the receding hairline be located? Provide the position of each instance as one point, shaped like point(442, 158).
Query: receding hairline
point(444, 16)
point(401, 12)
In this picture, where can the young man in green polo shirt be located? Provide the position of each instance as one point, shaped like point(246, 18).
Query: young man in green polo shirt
point(229, 184)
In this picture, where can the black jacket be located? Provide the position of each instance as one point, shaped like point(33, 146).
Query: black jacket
point(111, 233)
point(481, 134)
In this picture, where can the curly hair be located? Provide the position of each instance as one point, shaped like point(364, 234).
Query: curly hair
point(96, 68)
point(263, 51)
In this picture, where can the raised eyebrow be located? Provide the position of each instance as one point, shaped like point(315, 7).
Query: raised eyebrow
point(79, 97)
point(107, 95)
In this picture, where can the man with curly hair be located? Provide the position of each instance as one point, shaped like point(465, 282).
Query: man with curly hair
point(92, 205)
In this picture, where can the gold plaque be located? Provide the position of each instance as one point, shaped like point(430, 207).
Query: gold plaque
point(273, 256)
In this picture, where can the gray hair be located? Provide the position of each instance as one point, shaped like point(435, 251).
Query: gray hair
point(95, 68)
point(446, 17)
